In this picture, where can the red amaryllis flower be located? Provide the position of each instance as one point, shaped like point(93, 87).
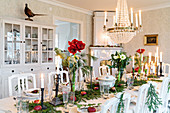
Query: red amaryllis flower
point(75, 46)
point(140, 51)
point(72, 50)
point(80, 46)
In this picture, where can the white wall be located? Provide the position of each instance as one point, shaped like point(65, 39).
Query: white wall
point(154, 22)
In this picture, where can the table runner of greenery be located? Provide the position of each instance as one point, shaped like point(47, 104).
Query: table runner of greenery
point(90, 94)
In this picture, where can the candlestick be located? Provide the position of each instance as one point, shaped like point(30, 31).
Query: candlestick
point(160, 68)
point(155, 57)
point(56, 101)
point(132, 15)
point(116, 15)
point(42, 99)
point(42, 81)
point(140, 18)
point(58, 64)
point(160, 56)
point(136, 20)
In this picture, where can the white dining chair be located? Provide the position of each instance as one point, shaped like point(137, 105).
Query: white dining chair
point(164, 95)
point(141, 107)
point(22, 79)
point(112, 104)
point(62, 73)
point(104, 70)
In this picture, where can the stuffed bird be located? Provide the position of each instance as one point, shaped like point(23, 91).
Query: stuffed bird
point(29, 13)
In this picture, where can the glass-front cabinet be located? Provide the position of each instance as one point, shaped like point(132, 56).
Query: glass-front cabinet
point(31, 44)
point(47, 45)
point(12, 43)
point(26, 43)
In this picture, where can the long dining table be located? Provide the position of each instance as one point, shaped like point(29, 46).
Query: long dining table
point(8, 103)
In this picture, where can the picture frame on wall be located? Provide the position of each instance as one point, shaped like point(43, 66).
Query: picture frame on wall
point(151, 40)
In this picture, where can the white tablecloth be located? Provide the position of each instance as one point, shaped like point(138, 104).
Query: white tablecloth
point(8, 103)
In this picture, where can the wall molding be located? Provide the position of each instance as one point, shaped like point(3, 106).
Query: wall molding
point(67, 6)
point(154, 7)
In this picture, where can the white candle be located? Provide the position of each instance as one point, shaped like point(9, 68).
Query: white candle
point(146, 66)
point(141, 57)
point(114, 19)
point(116, 14)
point(160, 56)
point(42, 81)
point(137, 20)
point(155, 57)
point(133, 62)
point(132, 15)
point(150, 54)
point(153, 68)
point(140, 18)
point(142, 69)
point(105, 17)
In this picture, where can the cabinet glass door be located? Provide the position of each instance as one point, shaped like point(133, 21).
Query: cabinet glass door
point(12, 43)
point(31, 44)
point(47, 45)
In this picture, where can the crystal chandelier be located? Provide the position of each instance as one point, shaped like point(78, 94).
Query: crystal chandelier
point(123, 30)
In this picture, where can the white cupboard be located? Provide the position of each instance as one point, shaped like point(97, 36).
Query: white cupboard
point(25, 47)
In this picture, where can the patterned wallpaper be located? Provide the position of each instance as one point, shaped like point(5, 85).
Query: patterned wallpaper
point(15, 9)
point(154, 22)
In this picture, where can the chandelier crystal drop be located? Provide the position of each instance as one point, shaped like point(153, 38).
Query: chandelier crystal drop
point(123, 29)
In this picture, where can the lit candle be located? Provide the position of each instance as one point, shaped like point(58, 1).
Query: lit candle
point(105, 17)
point(160, 56)
point(132, 15)
point(116, 14)
point(42, 80)
point(150, 54)
point(133, 63)
point(137, 20)
point(140, 18)
point(155, 57)
point(141, 57)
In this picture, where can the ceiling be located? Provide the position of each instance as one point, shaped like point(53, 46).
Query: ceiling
point(111, 4)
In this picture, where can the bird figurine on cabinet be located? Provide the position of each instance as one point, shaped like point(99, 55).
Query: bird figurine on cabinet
point(30, 14)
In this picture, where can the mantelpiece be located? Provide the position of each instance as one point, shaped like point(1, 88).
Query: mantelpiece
point(102, 53)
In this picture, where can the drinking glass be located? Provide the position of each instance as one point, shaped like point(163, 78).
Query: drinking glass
point(71, 99)
point(106, 91)
point(25, 106)
point(101, 89)
point(19, 102)
point(128, 82)
point(65, 92)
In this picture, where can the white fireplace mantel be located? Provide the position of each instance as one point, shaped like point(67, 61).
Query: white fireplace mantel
point(102, 53)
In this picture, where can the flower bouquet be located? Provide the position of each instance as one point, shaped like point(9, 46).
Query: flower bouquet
point(119, 60)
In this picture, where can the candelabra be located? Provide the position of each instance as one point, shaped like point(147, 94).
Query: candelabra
point(56, 101)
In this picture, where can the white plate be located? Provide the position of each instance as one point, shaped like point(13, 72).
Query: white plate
point(28, 92)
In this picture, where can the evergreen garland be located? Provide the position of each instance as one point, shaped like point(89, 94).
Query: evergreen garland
point(120, 108)
point(153, 101)
point(168, 87)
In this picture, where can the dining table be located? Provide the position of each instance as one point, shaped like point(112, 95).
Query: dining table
point(9, 102)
